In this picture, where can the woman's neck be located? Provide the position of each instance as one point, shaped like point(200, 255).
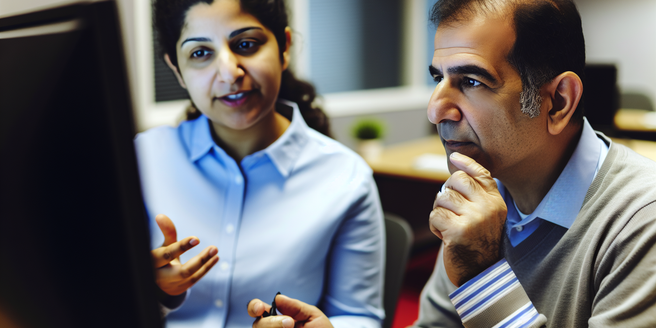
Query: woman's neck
point(241, 143)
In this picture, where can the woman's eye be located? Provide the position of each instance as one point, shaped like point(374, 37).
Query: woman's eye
point(245, 44)
point(200, 53)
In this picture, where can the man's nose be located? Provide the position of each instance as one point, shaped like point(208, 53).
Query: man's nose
point(229, 67)
point(443, 105)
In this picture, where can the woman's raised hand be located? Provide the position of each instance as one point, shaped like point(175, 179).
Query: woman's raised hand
point(173, 277)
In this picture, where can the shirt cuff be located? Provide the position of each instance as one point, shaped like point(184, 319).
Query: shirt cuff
point(495, 298)
point(172, 303)
point(354, 321)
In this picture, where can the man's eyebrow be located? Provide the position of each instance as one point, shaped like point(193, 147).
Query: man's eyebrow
point(242, 30)
point(195, 39)
point(473, 70)
point(433, 70)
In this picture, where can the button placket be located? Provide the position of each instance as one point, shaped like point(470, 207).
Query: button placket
point(228, 239)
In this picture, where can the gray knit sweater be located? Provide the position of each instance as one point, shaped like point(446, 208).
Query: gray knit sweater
point(599, 273)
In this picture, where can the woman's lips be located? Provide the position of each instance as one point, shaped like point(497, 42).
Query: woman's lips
point(236, 99)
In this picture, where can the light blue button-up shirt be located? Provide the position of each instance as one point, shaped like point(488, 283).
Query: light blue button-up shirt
point(301, 217)
point(563, 202)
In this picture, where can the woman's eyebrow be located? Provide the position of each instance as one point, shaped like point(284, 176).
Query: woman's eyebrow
point(232, 35)
point(195, 39)
point(242, 30)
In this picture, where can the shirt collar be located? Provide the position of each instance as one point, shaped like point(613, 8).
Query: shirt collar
point(283, 152)
point(199, 138)
point(563, 202)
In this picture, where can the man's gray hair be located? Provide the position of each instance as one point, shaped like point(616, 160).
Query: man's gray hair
point(530, 100)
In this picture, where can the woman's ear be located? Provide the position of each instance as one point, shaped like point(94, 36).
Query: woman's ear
point(288, 45)
point(565, 92)
point(175, 70)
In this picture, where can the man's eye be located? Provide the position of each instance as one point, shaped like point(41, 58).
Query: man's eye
point(471, 82)
point(438, 78)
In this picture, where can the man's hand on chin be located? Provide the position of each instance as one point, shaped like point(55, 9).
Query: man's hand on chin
point(469, 217)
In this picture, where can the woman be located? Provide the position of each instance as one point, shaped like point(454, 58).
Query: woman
point(289, 209)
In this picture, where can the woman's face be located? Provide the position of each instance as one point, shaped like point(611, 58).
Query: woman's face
point(230, 64)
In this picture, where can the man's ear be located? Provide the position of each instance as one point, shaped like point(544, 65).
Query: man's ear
point(288, 45)
point(175, 70)
point(565, 92)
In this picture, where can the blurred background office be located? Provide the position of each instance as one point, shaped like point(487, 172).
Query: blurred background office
point(369, 58)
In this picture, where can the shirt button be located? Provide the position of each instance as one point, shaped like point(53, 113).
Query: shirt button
point(520, 228)
point(238, 180)
point(230, 228)
point(224, 266)
point(218, 303)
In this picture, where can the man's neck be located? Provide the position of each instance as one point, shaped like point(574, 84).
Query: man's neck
point(531, 182)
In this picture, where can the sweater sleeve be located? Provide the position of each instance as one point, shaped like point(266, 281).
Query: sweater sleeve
point(625, 278)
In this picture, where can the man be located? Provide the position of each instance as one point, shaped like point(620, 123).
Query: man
point(565, 235)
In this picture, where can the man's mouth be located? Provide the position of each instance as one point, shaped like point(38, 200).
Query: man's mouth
point(456, 145)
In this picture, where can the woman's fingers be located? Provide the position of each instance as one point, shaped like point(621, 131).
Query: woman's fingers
point(256, 308)
point(279, 321)
point(165, 254)
point(208, 257)
point(168, 229)
point(176, 278)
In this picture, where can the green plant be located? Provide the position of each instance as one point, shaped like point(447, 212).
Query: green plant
point(367, 129)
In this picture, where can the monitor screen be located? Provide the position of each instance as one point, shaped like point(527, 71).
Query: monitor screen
point(74, 241)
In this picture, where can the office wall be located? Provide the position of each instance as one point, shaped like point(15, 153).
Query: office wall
point(622, 32)
point(400, 126)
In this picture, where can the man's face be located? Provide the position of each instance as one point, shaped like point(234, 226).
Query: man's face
point(476, 101)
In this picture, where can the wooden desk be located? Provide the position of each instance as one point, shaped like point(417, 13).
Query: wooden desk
point(407, 191)
point(399, 160)
point(642, 147)
point(635, 120)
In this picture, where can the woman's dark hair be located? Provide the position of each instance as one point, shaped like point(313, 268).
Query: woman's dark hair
point(549, 38)
point(169, 17)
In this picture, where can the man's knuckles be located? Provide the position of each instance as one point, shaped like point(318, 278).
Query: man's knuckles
point(452, 197)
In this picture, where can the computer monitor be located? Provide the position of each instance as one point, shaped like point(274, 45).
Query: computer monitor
point(74, 241)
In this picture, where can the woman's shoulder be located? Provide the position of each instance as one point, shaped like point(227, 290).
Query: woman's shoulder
point(181, 131)
point(164, 138)
point(329, 150)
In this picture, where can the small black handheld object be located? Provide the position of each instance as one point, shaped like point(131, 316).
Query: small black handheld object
point(273, 309)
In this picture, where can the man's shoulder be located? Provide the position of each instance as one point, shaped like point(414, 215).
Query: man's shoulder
point(624, 184)
point(628, 165)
